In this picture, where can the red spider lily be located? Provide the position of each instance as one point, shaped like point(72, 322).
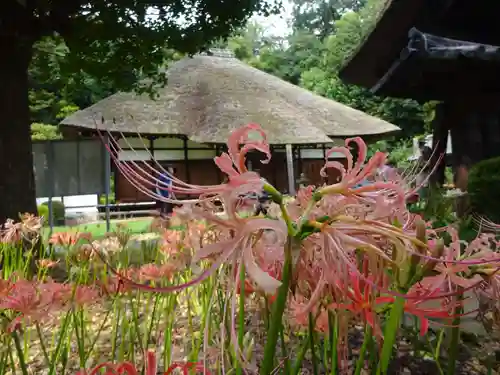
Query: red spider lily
point(187, 367)
point(118, 283)
point(128, 368)
point(155, 272)
point(424, 314)
point(5, 288)
point(362, 301)
point(249, 287)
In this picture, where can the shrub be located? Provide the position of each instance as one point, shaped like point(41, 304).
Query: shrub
point(58, 212)
point(484, 188)
point(43, 211)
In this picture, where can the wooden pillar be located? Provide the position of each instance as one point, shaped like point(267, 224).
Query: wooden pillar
point(218, 151)
point(299, 160)
point(273, 167)
point(186, 160)
point(152, 147)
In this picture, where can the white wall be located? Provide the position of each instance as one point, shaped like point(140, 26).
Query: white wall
point(74, 203)
point(428, 142)
point(139, 152)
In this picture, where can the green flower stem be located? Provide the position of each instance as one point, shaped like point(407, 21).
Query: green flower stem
point(78, 322)
point(305, 214)
point(300, 357)
point(278, 309)
point(135, 320)
point(42, 344)
point(390, 333)
point(455, 339)
point(311, 344)
point(98, 334)
point(60, 341)
point(241, 318)
point(20, 353)
point(334, 332)
point(277, 197)
point(152, 321)
point(284, 351)
point(362, 353)
point(117, 317)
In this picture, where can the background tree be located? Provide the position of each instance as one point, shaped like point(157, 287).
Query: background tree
point(319, 16)
point(115, 41)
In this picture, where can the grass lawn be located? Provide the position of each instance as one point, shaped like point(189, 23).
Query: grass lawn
point(98, 229)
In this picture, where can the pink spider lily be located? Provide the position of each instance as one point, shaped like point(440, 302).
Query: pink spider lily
point(151, 367)
point(27, 229)
point(145, 177)
point(47, 263)
point(356, 172)
point(29, 301)
point(68, 239)
point(453, 267)
point(239, 247)
point(298, 310)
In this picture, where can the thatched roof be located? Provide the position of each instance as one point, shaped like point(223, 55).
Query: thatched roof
point(207, 97)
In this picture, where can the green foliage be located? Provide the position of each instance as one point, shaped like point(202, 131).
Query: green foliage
point(119, 47)
point(43, 211)
point(484, 188)
point(44, 132)
point(111, 197)
point(58, 212)
point(52, 94)
point(318, 16)
point(399, 152)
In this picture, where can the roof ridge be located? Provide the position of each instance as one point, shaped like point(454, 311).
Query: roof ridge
point(218, 52)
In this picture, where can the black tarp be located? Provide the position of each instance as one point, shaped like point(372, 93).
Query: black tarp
point(432, 67)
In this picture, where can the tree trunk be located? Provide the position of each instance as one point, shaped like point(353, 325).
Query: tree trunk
point(17, 183)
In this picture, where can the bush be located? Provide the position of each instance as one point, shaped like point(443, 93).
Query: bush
point(484, 188)
point(43, 211)
point(58, 212)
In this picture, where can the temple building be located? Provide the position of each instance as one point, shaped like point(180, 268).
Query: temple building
point(205, 99)
point(446, 51)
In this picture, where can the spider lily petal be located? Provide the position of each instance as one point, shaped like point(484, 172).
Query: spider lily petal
point(265, 281)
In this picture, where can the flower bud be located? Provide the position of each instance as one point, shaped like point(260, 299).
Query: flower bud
point(421, 235)
point(248, 345)
point(436, 252)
